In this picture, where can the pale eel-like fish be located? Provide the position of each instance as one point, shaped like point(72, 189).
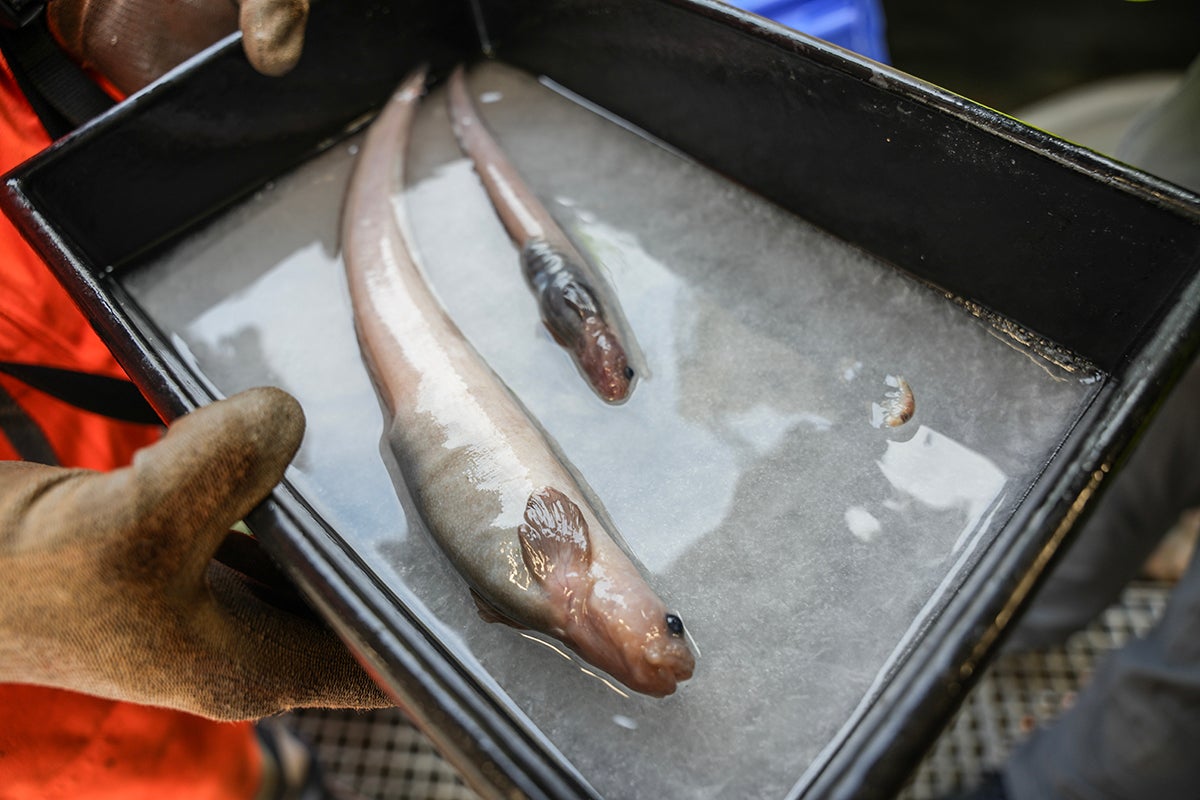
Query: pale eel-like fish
point(491, 491)
point(565, 284)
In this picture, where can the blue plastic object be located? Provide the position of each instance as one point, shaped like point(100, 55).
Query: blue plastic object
point(856, 25)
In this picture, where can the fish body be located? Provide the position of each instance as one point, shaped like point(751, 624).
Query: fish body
point(498, 500)
point(567, 288)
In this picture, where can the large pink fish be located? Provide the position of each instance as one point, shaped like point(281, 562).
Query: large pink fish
point(490, 489)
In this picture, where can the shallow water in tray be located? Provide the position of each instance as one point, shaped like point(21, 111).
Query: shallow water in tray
point(801, 543)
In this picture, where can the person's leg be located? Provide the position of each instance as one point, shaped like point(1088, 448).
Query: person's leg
point(1135, 730)
point(1165, 140)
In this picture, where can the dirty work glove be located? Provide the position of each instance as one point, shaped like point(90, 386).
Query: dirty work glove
point(133, 42)
point(110, 587)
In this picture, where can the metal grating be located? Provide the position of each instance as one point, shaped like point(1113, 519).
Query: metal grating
point(380, 756)
point(1020, 691)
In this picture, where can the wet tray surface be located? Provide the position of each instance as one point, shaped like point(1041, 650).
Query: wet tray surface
point(798, 540)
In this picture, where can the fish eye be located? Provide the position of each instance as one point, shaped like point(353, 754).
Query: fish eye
point(629, 376)
point(674, 625)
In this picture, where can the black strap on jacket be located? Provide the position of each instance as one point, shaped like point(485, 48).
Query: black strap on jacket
point(61, 93)
point(23, 433)
point(114, 398)
point(111, 397)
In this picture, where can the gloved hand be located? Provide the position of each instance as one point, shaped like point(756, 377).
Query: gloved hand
point(110, 588)
point(133, 42)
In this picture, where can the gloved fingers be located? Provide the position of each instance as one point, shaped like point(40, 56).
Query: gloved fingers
point(260, 660)
point(133, 42)
point(111, 589)
point(212, 467)
point(273, 33)
point(221, 653)
point(24, 486)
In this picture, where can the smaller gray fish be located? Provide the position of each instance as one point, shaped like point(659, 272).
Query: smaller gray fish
point(563, 281)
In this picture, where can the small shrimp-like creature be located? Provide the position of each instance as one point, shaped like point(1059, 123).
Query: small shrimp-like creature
point(898, 406)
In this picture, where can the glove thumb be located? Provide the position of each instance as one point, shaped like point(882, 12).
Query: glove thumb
point(273, 33)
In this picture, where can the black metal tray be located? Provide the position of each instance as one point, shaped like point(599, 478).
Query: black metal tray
point(1084, 268)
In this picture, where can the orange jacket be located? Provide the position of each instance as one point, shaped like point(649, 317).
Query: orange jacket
point(53, 743)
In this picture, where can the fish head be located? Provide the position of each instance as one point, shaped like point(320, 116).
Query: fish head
point(573, 313)
point(661, 660)
point(629, 633)
point(601, 605)
point(603, 361)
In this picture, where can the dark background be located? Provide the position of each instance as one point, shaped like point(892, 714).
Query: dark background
point(1008, 53)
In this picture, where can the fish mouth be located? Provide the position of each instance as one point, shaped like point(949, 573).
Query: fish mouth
point(664, 667)
point(612, 387)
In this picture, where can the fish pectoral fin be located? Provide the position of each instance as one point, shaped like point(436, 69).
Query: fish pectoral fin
point(564, 309)
point(579, 298)
point(489, 613)
point(554, 538)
